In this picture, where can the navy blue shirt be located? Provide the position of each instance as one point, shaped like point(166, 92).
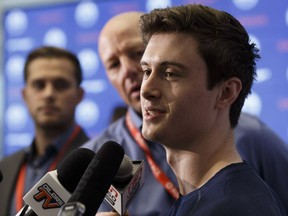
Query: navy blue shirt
point(235, 190)
point(265, 151)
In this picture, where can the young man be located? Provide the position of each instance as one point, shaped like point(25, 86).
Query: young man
point(52, 91)
point(198, 69)
point(120, 49)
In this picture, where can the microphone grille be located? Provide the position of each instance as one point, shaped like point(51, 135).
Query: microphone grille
point(125, 170)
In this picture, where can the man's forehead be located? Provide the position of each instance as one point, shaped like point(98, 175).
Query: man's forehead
point(125, 23)
point(111, 49)
point(129, 18)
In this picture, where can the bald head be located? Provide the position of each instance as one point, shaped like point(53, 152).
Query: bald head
point(124, 24)
point(120, 49)
point(123, 20)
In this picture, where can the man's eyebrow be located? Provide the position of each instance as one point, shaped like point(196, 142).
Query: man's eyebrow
point(173, 63)
point(167, 63)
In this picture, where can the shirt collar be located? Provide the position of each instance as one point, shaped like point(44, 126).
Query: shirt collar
point(62, 139)
point(136, 118)
point(51, 150)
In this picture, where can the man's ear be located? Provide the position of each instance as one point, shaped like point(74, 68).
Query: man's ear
point(23, 92)
point(81, 93)
point(228, 92)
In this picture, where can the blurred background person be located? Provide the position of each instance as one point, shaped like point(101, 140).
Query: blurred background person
point(51, 92)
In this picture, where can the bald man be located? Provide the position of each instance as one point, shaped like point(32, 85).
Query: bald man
point(120, 50)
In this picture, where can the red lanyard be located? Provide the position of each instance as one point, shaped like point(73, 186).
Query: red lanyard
point(156, 170)
point(20, 186)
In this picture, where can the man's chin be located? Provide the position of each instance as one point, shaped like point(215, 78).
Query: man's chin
point(148, 135)
point(136, 105)
point(50, 125)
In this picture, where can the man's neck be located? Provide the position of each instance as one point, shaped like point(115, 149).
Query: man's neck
point(45, 137)
point(194, 168)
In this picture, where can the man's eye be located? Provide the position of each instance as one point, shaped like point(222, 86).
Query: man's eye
point(170, 74)
point(139, 54)
point(38, 85)
point(146, 72)
point(61, 85)
point(113, 65)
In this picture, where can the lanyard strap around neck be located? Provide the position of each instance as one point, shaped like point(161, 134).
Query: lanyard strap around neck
point(20, 185)
point(156, 170)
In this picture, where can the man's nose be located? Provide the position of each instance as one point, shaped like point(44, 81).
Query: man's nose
point(150, 87)
point(131, 68)
point(49, 90)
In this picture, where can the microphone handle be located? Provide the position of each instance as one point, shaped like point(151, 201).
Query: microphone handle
point(72, 209)
point(30, 212)
point(23, 211)
point(26, 211)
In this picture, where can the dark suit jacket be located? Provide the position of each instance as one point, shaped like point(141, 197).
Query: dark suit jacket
point(10, 167)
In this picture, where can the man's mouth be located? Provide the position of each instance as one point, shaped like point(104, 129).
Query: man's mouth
point(135, 91)
point(151, 113)
point(48, 109)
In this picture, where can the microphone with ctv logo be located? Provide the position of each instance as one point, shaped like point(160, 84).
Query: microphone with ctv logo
point(54, 189)
point(94, 184)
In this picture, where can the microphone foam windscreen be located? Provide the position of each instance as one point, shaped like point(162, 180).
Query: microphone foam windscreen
point(73, 166)
point(125, 171)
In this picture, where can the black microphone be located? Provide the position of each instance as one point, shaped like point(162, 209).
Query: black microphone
point(54, 189)
point(98, 177)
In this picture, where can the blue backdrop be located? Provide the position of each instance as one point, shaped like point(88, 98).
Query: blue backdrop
point(76, 26)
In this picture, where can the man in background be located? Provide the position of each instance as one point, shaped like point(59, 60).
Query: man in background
point(51, 92)
point(121, 49)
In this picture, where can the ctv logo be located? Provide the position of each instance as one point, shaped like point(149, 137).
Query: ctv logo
point(51, 199)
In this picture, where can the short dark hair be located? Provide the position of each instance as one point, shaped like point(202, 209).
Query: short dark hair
point(54, 52)
point(222, 42)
